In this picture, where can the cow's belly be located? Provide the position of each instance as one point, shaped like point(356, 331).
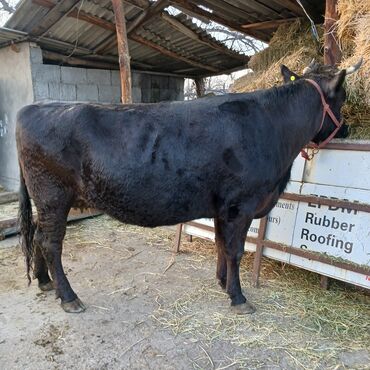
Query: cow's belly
point(155, 202)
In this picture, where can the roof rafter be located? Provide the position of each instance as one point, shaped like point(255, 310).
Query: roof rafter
point(188, 5)
point(163, 50)
point(175, 23)
point(146, 15)
point(267, 24)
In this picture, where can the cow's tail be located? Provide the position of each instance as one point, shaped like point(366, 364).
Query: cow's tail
point(26, 224)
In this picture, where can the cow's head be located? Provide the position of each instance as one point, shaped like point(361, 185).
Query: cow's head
point(331, 82)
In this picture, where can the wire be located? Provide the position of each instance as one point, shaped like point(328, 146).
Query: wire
point(77, 33)
point(313, 26)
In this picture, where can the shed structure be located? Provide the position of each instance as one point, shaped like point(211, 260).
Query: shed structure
point(67, 50)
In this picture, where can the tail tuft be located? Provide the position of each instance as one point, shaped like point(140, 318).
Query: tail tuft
point(26, 224)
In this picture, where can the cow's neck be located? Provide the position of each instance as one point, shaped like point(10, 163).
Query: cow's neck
point(299, 113)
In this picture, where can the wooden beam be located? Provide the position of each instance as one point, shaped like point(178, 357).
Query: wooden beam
point(92, 19)
point(292, 5)
point(175, 23)
point(268, 24)
point(147, 14)
point(8, 197)
point(76, 61)
point(56, 13)
point(44, 3)
point(123, 52)
point(172, 54)
point(332, 53)
point(141, 4)
point(187, 5)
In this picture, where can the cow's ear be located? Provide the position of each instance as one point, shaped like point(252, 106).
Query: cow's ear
point(336, 83)
point(288, 75)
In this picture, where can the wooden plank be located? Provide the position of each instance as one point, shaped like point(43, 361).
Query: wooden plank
point(292, 5)
point(147, 14)
point(141, 4)
point(268, 24)
point(10, 226)
point(44, 3)
point(75, 61)
point(123, 52)
point(92, 19)
point(332, 53)
point(172, 54)
point(230, 24)
point(8, 197)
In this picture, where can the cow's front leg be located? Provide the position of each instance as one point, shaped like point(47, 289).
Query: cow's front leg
point(234, 232)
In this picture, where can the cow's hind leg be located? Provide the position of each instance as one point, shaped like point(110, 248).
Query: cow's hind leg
point(232, 234)
point(52, 221)
point(40, 270)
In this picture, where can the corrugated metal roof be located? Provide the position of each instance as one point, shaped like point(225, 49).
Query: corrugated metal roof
point(164, 43)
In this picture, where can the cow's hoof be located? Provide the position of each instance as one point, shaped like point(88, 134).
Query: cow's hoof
point(75, 306)
point(243, 309)
point(45, 287)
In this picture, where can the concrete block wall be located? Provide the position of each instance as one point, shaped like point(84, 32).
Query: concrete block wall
point(53, 82)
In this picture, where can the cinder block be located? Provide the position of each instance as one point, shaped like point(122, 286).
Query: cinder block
point(166, 94)
point(40, 90)
point(136, 95)
point(72, 75)
point(109, 94)
point(45, 73)
point(87, 93)
point(176, 83)
point(115, 76)
point(36, 55)
point(68, 92)
point(136, 79)
point(99, 76)
point(54, 90)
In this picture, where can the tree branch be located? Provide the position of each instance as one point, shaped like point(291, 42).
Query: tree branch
point(6, 6)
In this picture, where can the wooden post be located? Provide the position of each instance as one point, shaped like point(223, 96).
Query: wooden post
point(123, 52)
point(259, 252)
point(200, 86)
point(176, 245)
point(332, 53)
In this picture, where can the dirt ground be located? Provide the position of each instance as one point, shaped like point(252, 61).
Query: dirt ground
point(147, 309)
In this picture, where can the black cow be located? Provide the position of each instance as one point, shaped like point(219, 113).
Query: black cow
point(227, 157)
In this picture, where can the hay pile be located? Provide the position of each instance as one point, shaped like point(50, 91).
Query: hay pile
point(353, 30)
point(294, 46)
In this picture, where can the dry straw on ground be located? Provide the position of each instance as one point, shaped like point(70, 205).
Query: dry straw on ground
point(294, 315)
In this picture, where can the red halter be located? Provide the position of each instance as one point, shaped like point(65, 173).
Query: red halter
point(326, 110)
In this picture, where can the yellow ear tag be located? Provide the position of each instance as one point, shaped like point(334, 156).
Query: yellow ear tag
point(292, 78)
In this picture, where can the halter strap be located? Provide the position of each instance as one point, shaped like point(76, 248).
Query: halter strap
point(326, 110)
